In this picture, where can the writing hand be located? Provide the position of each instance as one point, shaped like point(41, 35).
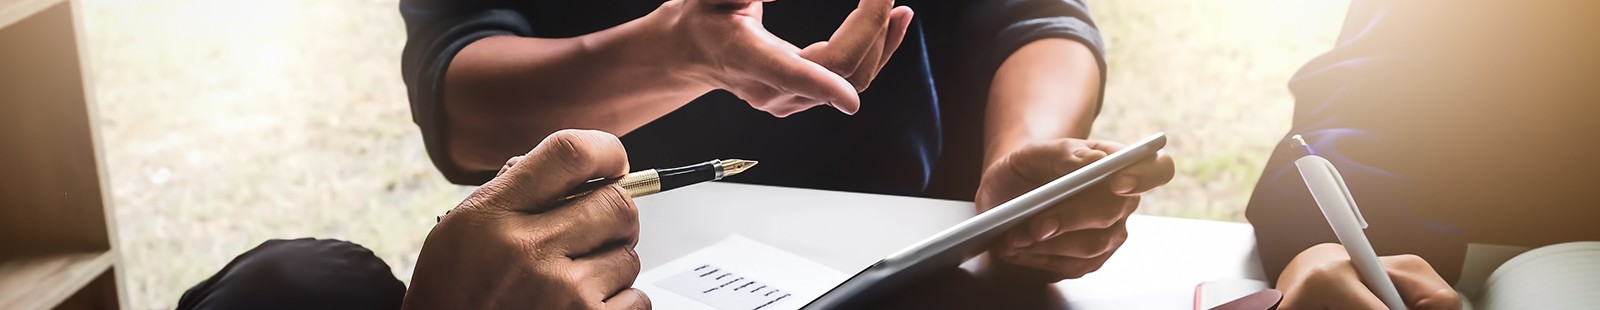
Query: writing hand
point(514, 244)
point(1078, 235)
point(1322, 277)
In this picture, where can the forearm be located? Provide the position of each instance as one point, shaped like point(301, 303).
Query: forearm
point(1048, 89)
point(504, 94)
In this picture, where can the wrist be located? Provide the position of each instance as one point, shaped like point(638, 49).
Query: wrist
point(661, 41)
point(653, 46)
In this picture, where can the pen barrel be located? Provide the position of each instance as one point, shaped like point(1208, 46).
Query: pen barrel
point(1338, 206)
point(642, 183)
point(672, 178)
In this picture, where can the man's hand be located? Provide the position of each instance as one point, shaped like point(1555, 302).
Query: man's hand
point(725, 46)
point(1322, 277)
point(1077, 236)
point(514, 244)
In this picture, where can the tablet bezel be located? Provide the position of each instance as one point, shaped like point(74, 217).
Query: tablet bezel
point(959, 243)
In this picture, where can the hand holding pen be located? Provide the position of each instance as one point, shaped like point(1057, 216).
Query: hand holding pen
point(519, 233)
point(651, 181)
point(1350, 274)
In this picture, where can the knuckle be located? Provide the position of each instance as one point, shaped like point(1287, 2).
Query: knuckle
point(840, 66)
point(860, 81)
point(571, 278)
point(583, 303)
point(1329, 247)
point(644, 301)
point(1106, 219)
point(617, 198)
point(1327, 272)
point(631, 258)
point(572, 150)
point(1073, 269)
point(1109, 240)
point(1410, 262)
point(616, 205)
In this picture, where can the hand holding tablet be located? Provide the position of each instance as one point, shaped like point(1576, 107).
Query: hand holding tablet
point(1076, 236)
point(966, 240)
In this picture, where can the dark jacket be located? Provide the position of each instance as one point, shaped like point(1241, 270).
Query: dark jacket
point(919, 131)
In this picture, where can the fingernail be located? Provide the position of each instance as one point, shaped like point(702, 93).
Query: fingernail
point(1081, 153)
point(1020, 241)
point(1047, 228)
point(1123, 185)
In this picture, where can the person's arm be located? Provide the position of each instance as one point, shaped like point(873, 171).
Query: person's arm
point(1048, 71)
point(502, 92)
point(1048, 89)
point(483, 88)
point(1041, 106)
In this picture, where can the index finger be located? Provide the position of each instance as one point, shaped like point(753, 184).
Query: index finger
point(787, 71)
point(629, 299)
point(1419, 285)
point(860, 32)
point(558, 165)
point(592, 222)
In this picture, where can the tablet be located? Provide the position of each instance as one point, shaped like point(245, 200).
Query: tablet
point(951, 247)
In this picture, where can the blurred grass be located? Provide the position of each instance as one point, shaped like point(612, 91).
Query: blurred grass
point(1213, 76)
point(227, 123)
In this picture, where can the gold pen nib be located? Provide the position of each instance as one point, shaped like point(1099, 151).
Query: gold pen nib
point(731, 167)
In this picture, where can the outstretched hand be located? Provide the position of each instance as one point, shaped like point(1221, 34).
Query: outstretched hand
point(728, 48)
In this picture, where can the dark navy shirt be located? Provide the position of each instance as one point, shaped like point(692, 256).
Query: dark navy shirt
point(1451, 122)
point(919, 131)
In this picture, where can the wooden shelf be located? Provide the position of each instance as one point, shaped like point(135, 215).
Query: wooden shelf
point(41, 282)
point(12, 11)
point(56, 228)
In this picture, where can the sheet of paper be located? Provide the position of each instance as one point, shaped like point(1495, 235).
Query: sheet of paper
point(737, 274)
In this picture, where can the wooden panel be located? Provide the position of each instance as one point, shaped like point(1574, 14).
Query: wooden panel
point(50, 194)
point(12, 11)
point(45, 281)
point(99, 294)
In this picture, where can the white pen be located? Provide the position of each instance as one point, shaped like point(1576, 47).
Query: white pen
point(1339, 207)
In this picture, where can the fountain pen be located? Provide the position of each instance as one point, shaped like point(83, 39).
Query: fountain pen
point(647, 182)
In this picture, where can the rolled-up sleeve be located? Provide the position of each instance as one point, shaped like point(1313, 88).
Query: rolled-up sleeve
point(967, 41)
point(435, 31)
point(986, 32)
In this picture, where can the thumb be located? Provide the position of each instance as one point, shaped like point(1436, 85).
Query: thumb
point(1419, 285)
point(629, 299)
point(1044, 161)
point(557, 166)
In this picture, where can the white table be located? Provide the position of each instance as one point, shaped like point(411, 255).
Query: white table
point(1162, 261)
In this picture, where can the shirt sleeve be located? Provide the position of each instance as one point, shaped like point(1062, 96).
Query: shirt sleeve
point(1344, 100)
point(986, 32)
point(435, 31)
point(967, 41)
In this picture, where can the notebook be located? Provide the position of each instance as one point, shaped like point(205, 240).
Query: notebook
point(1560, 276)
